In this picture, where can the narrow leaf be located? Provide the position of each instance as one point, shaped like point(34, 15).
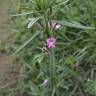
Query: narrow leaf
point(26, 43)
point(74, 24)
point(22, 14)
point(32, 21)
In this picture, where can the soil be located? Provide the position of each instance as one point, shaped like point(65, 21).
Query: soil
point(8, 74)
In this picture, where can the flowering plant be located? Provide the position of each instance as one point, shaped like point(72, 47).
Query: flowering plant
point(59, 58)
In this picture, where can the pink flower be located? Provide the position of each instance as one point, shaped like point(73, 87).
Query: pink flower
point(51, 42)
point(45, 82)
point(54, 25)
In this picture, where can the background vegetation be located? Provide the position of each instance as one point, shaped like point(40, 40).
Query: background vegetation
point(75, 51)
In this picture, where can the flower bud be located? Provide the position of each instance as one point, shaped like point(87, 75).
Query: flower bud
point(45, 82)
point(51, 41)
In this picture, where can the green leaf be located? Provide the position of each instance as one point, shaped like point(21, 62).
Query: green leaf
point(26, 43)
point(90, 87)
point(22, 14)
point(70, 60)
point(62, 3)
point(34, 89)
point(38, 58)
point(74, 24)
point(32, 21)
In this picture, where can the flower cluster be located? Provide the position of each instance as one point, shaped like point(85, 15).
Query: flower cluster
point(50, 43)
point(53, 25)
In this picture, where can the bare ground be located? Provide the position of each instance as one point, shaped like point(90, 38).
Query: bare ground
point(8, 74)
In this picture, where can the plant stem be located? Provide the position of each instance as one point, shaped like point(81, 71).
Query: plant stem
point(46, 22)
point(52, 67)
point(45, 18)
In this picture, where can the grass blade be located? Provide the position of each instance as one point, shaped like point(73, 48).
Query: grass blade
point(74, 24)
point(26, 43)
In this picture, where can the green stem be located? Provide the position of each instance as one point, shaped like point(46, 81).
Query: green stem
point(46, 22)
point(52, 67)
point(45, 18)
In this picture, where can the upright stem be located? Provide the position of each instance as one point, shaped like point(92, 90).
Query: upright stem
point(47, 28)
point(52, 66)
